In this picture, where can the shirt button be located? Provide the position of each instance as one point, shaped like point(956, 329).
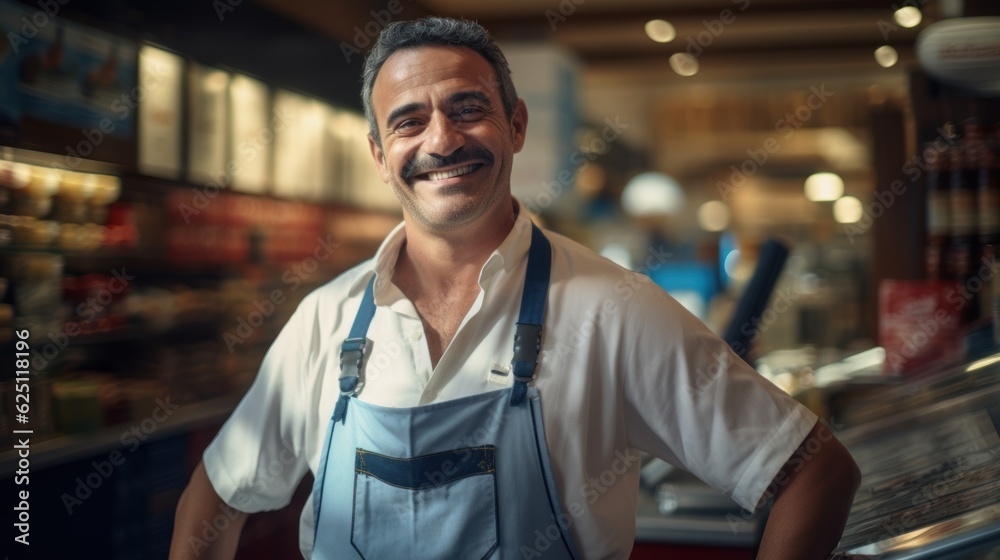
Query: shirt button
point(415, 334)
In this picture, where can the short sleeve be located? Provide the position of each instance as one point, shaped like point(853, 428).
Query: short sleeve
point(690, 400)
point(258, 457)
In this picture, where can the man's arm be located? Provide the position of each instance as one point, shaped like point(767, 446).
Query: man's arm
point(199, 504)
point(813, 495)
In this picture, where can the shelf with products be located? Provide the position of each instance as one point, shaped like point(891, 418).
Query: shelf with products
point(67, 448)
point(938, 231)
point(187, 303)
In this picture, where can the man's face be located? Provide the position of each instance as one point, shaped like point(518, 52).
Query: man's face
point(447, 146)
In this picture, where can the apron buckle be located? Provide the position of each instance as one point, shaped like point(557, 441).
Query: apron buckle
point(352, 355)
point(527, 345)
point(527, 342)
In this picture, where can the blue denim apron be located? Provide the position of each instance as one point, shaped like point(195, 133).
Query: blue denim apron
point(464, 479)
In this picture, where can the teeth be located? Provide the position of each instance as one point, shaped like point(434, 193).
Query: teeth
point(439, 175)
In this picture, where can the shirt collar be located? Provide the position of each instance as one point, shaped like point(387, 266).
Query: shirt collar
point(513, 248)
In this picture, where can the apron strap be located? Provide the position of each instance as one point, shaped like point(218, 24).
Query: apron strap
point(528, 332)
point(352, 352)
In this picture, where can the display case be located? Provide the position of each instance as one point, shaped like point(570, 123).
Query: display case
point(928, 450)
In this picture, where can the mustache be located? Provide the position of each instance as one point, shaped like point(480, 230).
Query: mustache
point(422, 164)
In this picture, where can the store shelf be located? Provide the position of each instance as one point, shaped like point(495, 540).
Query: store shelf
point(65, 449)
point(721, 529)
point(699, 515)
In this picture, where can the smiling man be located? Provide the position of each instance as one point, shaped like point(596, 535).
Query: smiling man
point(481, 388)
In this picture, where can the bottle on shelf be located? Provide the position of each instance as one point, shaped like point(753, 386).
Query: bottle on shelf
point(963, 250)
point(938, 211)
point(988, 206)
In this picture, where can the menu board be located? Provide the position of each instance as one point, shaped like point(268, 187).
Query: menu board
point(160, 113)
point(362, 185)
point(253, 134)
point(335, 161)
point(298, 149)
point(208, 95)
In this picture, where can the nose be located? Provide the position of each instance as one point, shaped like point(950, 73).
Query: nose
point(443, 136)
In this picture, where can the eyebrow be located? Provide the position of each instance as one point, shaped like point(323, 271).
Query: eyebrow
point(404, 110)
point(471, 94)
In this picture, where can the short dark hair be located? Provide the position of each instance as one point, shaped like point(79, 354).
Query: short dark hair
point(434, 31)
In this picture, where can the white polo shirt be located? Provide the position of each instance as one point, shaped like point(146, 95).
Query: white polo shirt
point(623, 368)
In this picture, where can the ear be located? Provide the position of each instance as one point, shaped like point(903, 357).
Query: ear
point(379, 156)
point(519, 124)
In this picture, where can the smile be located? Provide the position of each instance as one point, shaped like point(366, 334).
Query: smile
point(457, 172)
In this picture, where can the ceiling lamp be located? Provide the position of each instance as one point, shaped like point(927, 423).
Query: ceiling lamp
point(824, 187)
point(684, 64)
point(886, 56)
point(713, 216)
point(908, 16)
point(653, 194)
point(847, 210)
point(660, 30)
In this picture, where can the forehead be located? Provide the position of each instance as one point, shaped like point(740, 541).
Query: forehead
point(408, 72)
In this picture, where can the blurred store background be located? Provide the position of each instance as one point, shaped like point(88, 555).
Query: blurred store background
point(176, 176)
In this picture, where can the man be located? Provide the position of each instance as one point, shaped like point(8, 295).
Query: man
point(467, 392)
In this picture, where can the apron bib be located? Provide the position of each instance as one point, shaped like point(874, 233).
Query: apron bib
point(468, 478)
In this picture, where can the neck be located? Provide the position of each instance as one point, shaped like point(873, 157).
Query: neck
point(439, 261)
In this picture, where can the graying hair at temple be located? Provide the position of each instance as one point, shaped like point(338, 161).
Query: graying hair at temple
point(434, 31)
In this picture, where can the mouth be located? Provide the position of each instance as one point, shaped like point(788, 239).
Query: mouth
point(448, 173)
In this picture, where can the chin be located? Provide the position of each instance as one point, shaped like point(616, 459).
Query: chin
point(448, 215)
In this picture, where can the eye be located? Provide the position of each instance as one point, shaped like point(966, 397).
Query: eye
point(407, 125)
point(470, 113)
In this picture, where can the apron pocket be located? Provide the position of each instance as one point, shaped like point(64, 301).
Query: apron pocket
point(441, 505)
